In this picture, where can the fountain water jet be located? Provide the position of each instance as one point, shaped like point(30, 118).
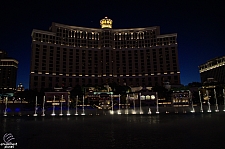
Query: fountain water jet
point(53, 107)
point(207, 94)
point(223, 100)
point(76, 106)
point(6, 102)
point(201, 109)
point(111, 112)
point(83, 107)
point(35, 109)
point(119, 112)
point(68, 106)
point(43, 107)
point(149, 111)
point(176, 109)
point(61, 114)
point(126, 112)
point(134, 111)
point(191, 99)
point(141, 112)
point(216, 110)
point(157, 103)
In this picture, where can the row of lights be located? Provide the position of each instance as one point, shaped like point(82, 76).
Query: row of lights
point(114, 39)
point(95, 38)
point(80, 75)
point(104, 46)
point(7, 88)
point(212, 67)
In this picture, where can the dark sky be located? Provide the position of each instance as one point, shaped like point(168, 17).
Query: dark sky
point(198, 23)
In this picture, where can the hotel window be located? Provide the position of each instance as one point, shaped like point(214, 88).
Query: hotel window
point(35, 84)
point(50, 79)
point(42, 78)
point(35, 78)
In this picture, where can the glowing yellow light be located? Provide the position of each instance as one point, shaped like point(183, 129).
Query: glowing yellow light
point(106, 23)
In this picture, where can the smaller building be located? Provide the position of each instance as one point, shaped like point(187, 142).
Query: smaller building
point(57, 96)
point(8, 74)
point(20, 88)
point(214, 69)
point(181, 98)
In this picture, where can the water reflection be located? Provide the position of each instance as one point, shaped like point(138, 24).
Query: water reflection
point(35, 119)
point(150, 119)
point(17, 128)
point(42, 119)
point(4, 123)
point(112, 135)
point(108, 131)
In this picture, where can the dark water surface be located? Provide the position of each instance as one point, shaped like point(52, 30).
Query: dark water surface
point(176, 131)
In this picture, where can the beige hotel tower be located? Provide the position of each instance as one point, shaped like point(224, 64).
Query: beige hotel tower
point(70, 55)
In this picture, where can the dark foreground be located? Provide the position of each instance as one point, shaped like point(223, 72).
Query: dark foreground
point(176, 131)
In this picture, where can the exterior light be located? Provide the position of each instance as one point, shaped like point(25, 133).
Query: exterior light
point(153, 97)
point(106, 23)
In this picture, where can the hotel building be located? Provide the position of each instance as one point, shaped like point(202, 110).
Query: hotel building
point(70, 55)
point(213, 69)
point(8, 73)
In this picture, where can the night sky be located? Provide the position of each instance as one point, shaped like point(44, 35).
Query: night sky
point(199, 25)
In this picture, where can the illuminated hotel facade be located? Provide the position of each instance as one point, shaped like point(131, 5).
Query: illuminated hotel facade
point(213, 69)
point(70, 55)
point(8, 73)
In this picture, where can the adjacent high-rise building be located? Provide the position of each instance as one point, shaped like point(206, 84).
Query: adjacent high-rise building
point(70, 55)
point(213, 69)
point(8, 73)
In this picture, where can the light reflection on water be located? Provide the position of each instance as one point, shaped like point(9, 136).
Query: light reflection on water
point(143, 119)
point(4, 123)
point(119, 131)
